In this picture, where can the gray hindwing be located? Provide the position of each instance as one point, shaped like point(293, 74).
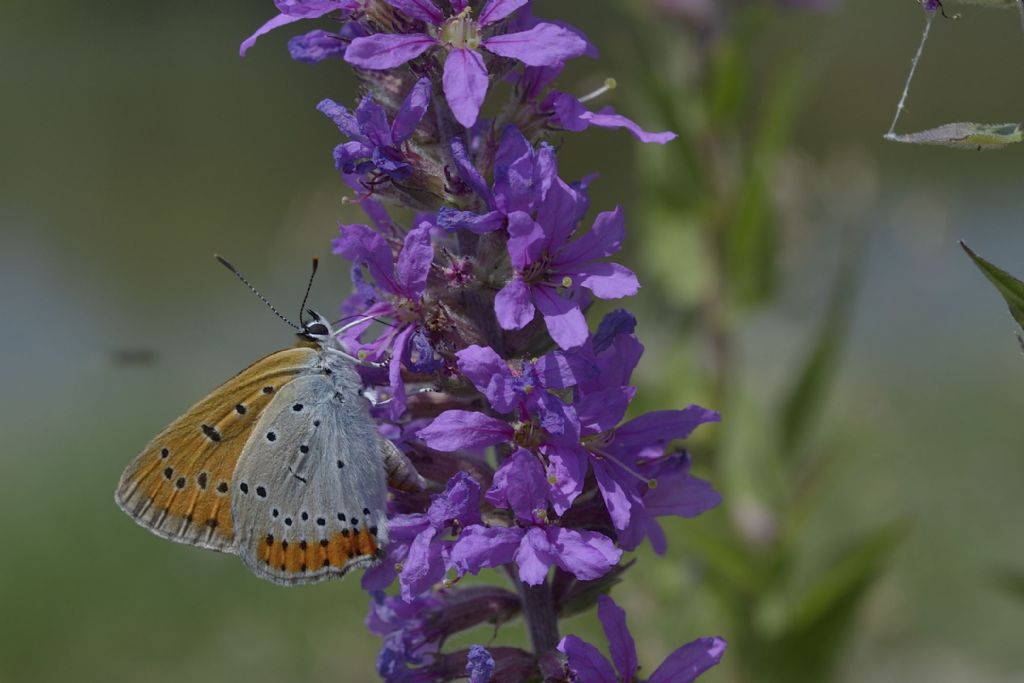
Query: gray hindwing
point(309, 490)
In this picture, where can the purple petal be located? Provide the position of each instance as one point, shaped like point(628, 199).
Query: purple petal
point(453, 219)
point(414, 261)
point(535, 78)
point(387, 50)
point(396, 406)
point(469, 173)
point(620, 642)
point(274, 23)
point(460, 501)
point(617, 498)
point(424, 10)
point(662, 426)
point(572, 115)
point(586, 555)
point(311, 9)
point(657, 537)
point(586, 661)
point(563, 317)
point(479, 664)
point(316, 46)
point(376, 211)
point(559, 370)
point(615, 324)
point(379, 577)
point(607, 118)
point(679, 493)
point(459, 5)
point(514, 305)
point(496, 10)
point(542, 45)
point(689, 661)
point(342, 118)
point(545, 168)
point(465, 84)
point(514, 172)
point(373, 122)
point(599, 411)
point(421, 356)
point(359, 243)
point(556, 418)
point(603, 239)
point(423, 567)
point(520, 484)
point(535, 556)
point(405, 528)
point(350, 157)
point(616, 364)
point(567, 471)
point(608, 280)
point(489, 373)
point(526, 239)
point(457, 429)
point(559, 212)
point(479, 547)
point(411, 112)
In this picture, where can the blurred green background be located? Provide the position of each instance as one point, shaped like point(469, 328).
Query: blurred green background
point(135, 144)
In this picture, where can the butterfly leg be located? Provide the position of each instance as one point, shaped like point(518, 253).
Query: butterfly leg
point(357, 361)
point(402, 475)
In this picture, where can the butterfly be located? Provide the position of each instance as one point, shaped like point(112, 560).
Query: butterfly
point(281, 465)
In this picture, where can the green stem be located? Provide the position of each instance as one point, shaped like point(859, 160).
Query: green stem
point(540, 615)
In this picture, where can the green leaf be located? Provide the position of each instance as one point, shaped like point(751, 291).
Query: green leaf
point(848, 576)
point(806, 396)
point(978, 136)
point(815, 625)
point(752, 237)
point(577, 597)
point(1010, 287)
point(726, 559)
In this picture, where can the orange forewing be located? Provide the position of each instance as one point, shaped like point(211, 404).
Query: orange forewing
point(179, 487)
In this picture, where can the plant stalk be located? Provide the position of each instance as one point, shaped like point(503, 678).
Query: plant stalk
point(540, 615)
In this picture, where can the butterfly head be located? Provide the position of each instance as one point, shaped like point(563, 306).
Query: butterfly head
point(317, 328)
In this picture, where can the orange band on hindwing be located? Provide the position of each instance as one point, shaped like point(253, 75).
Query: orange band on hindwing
point(303, 556)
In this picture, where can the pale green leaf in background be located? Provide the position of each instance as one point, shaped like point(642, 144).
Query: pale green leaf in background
point(810, 388)
point(964, 135)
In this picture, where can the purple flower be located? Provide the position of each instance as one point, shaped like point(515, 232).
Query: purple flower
point(404, 626)
point(550, 269)
point(374, 146)
point(616, 453)
point(418, 541)
point(465, 79)
point(678, 494)
point(522, 178)
point(297, 10)
point(479, 664)
point(534, 545)
point(568, 113)
point(402, 285)
point(588, 665)
point(522, 387)
point(413, 631)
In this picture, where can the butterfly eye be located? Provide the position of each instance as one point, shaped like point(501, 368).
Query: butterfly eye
point(316, 330)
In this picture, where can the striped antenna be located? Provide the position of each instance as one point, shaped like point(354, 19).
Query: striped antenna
point(224, 262)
